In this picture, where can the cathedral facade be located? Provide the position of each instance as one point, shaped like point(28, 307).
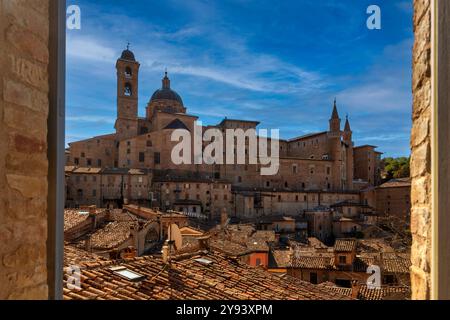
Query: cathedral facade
point(319, 166)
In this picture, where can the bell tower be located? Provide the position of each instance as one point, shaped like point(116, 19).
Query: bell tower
point(335, 149)
point(127, 95)
point(348, 144)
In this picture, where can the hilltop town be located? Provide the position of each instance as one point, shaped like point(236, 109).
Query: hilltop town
point(138, 226)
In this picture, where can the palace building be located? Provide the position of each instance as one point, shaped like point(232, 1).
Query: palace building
point(133, 164)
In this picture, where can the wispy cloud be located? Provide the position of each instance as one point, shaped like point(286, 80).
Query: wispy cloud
point(91, 118)
point(90, 49)
point(281, 63)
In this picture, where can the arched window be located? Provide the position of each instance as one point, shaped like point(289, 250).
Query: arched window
point(128, 90)
point(128, 72)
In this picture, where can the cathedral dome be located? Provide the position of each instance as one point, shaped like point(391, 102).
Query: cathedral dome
point(165, 93)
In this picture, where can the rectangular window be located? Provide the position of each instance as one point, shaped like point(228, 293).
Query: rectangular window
point(141, 156)
point(99, 163)
point(76, 161)
point(342, 260)
point(157, 157)
point(94, 193)
point(89, 162)
point(313, 278)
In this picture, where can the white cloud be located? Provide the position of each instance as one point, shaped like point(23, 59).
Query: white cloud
point(91, 49)
point(96, 119)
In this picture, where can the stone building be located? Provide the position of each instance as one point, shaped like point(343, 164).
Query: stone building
point(108, 187)
point(345, 263)
point(314, 163)
point(367, 162)
point(393, 199)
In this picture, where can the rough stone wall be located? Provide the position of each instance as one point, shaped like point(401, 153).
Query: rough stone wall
point(24, 87)
point(421, 153)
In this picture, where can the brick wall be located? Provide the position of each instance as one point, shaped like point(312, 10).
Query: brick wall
point(421, 152)
point(24, 58)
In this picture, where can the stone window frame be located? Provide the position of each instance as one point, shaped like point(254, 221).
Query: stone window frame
point(56, 148)
point(440, 146)
point(439, 141)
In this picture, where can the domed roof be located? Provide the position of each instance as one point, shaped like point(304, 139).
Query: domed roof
point(127, 55)
point(165, 93)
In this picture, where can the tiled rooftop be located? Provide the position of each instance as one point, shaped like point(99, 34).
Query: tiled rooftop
point(366, 293)
point(400, 182)
point(313, 262)
point(390, 263)
point(111, 236)
point(216, 277)
point(72, 218)
point(75, 256)
point(281, 258)
point(345, 245)
point(228, 247)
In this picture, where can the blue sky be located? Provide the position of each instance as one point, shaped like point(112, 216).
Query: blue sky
point(278, 62)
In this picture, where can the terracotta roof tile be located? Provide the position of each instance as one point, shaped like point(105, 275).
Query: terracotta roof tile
point(73, 218)
point(400, 182)
point(223, 279)
point(345, 245)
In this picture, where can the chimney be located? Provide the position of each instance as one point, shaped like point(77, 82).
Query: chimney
point(355, 289)
point(223, 217)
point(165, 252)
point(93, 217)
point(108, 216)
point(87, 244)
point(203, 243)
point(134, 236)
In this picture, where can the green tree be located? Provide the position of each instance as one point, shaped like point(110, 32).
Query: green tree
point(396, 167)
